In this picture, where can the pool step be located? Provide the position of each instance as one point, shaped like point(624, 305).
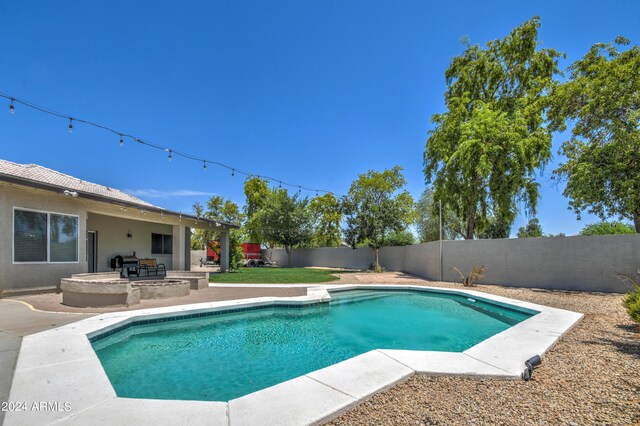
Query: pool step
point(360, 297)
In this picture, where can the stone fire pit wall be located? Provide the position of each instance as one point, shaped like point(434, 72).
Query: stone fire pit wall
point(198, 280)
point(109, 289)
point(98, 290)
point(162, 289)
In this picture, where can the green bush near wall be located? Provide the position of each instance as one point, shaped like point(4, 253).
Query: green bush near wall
point(632, 303)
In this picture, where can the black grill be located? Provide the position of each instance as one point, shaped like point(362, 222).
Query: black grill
point(128, 265)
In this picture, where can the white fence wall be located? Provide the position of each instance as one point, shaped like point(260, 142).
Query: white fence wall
point(338, 257)
point(565, 263)
point(196, 255)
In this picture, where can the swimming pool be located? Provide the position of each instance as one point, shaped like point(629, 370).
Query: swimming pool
point(219, 355)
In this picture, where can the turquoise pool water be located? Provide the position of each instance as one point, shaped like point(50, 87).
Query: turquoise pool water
point(218, 358)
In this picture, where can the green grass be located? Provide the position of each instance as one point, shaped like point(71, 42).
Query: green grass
point(275, 276)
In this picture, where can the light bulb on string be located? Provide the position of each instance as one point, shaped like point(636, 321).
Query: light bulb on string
point(70, 129)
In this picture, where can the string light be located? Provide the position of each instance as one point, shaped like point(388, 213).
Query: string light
point(204, 166)
point(13, 100)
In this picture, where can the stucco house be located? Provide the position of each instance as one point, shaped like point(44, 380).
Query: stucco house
point(53, 225)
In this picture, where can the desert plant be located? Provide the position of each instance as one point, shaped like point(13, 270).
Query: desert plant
point(631, 300)
point(475, 274)
point(376, 268)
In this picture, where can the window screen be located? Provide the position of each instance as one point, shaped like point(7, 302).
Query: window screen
point(29, 236)
point(63, 238)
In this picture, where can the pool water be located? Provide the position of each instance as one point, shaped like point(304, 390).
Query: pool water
point(218, 358)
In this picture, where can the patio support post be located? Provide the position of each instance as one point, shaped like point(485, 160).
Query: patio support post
point(224, 250)
point(179, 242)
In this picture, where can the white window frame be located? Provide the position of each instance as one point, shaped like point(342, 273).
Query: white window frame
point(48, 261)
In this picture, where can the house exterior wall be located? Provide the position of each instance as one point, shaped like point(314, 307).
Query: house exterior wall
point(28, 276)
point(112, 239)
point(111, 222)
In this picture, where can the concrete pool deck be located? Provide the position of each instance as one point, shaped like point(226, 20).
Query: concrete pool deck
point(56, 365)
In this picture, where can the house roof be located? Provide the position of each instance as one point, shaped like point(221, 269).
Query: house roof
point(40, 177)
point(36, 173)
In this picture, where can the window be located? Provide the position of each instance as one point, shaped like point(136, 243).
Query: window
point(63, 238)
point(161, 244)
point(44, 237)
point(29, 236)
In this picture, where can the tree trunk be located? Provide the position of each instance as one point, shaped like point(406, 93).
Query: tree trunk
point(471, 223)
point(636, 222)
point(471, 211)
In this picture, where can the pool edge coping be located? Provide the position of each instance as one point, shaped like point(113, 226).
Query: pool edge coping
point(326, 393)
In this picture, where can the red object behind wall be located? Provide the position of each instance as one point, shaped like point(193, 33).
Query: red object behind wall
point(250, 250)
point(213, 251)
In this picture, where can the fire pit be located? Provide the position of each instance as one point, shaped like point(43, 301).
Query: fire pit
point(108, 289)
point(162, 289)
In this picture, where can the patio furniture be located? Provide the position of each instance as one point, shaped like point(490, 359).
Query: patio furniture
point(150, 267)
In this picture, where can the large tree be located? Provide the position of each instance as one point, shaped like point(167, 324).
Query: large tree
point(484, 151)
point(533, 229)
point(285, 220)
point(602, 100)
point(607, 228)
point(375, 207)
point(428, 221)
point(257, 192)
point(326, 213)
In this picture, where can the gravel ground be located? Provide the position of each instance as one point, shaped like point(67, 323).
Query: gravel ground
point(592, 376)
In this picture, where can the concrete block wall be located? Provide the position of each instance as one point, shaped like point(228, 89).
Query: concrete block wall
point(196, 255)
point(563, 263)
point(330, 257)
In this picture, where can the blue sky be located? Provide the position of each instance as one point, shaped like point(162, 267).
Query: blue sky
point(311, 92)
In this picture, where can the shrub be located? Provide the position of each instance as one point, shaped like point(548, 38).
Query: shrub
point(631, 300)
point(475, 274)
point(632, 303)
point(376, 268)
